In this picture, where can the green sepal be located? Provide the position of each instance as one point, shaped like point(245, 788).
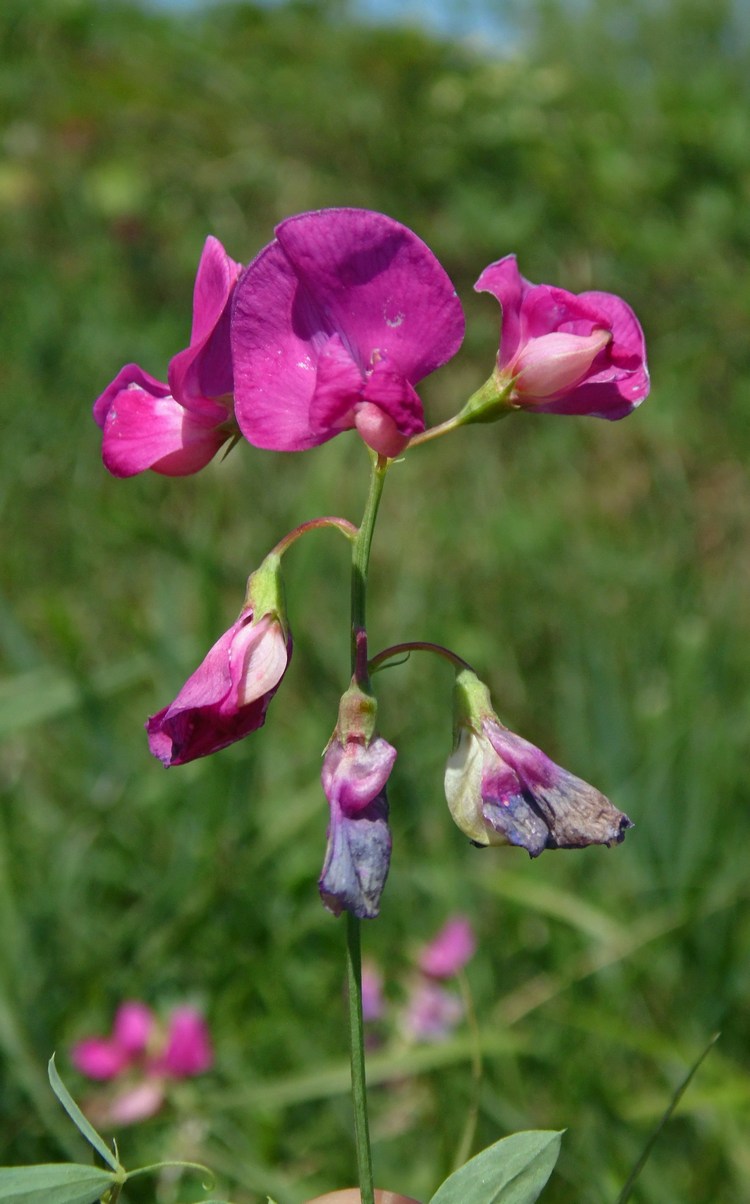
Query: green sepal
point(490, 402)
point(56, 1183)
point(471, 702)
point(512, 1171)
point(264, 593)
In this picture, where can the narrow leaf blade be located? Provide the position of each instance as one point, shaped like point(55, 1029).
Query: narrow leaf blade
point(512, 1171)
point(85, 1128)
point(54, 1183)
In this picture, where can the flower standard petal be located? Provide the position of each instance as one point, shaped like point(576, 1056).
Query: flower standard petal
point(338, 292)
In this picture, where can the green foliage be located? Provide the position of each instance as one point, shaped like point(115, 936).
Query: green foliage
point(60, 1183)
point(597, 575)
point(512, 1171)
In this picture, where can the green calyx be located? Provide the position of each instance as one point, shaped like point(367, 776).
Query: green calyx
point(264, 594)
point(471, 702)
point(357, 715)
point(490, 403)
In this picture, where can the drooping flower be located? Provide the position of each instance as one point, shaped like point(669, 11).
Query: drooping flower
point(356, 766)
point(560, 352)
point(450, 950)
point(503, 790)
point(140, 1058)
point(334, 324)
point(228, 695)
point(176, 428)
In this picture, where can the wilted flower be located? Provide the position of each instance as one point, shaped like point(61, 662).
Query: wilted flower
point(145, 1057)
point(356, 766)
point(228, 695)
point(333, 325)
point(450, 950)
point(176, 428)
point(503, 790)
point(562, 353)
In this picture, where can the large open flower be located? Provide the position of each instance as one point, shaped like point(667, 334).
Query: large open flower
point(334, 323)
point(176, 428)
point(562, 353)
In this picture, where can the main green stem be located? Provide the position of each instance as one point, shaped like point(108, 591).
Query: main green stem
point(360, 566)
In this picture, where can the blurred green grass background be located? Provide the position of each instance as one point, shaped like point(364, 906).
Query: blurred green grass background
point(596, 574)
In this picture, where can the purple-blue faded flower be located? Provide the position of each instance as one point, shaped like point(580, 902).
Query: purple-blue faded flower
point(561, 352)
point(176, 428)
point(228, 695)
point(334, 324)
point(356, 766)
point(503, 790)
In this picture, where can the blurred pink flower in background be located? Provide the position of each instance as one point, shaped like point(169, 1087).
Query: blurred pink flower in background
point(450, 950)
point(431, 1012)
point(373, 1004)
point(143, 1056)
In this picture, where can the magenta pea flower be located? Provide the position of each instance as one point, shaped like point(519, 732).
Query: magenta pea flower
point(334, 324)
point(140, 1059)
point(228, 695)
point(356, 766)
point(564, 353)
point(503, 790)
point(176, 428)
point(106, 1057)
point(450, 950)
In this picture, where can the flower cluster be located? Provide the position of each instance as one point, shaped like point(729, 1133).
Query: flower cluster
point(140, 1058)
point(430, 1010)
point(330, 329)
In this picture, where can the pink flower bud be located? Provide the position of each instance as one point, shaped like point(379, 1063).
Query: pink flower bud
point(562, 353)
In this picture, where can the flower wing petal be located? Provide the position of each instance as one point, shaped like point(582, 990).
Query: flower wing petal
point(146, 428)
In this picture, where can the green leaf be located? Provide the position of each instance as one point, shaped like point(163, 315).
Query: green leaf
point(627, 1190)
point(79, 1120)
point(512, 1171)
point(56, 1183)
